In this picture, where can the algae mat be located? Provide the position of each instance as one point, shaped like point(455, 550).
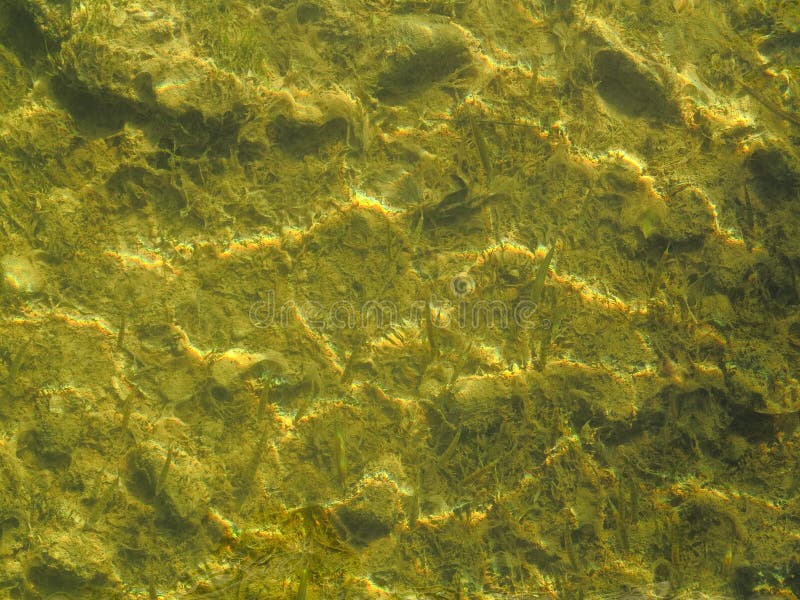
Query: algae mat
point(370, 299)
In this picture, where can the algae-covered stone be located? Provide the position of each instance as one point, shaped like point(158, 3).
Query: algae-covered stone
point(165, 77)
point(478, 403)
point(628, 85)
point(419, 50)
point(22, 273)
point(13, 84)
point(72, 564)
point(171, 481)
point(626, 81)
point(691, 217)
point(372, 512)
point(775, 173)
point(229, 367)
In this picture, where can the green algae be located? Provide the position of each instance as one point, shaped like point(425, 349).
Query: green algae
point(283, 314)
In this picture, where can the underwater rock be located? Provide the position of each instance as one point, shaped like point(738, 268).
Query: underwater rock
point(171, 482)
point(477, 402)
point(166, 78)
point(69, 563)
point(372, 512)
point(775, 177)
point(690, 217)
point(417, 51)
point(13, 84)
point(22, 273)
point(626, 81)
point(762, 381)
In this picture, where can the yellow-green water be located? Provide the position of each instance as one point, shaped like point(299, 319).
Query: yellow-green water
point(370, 299)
